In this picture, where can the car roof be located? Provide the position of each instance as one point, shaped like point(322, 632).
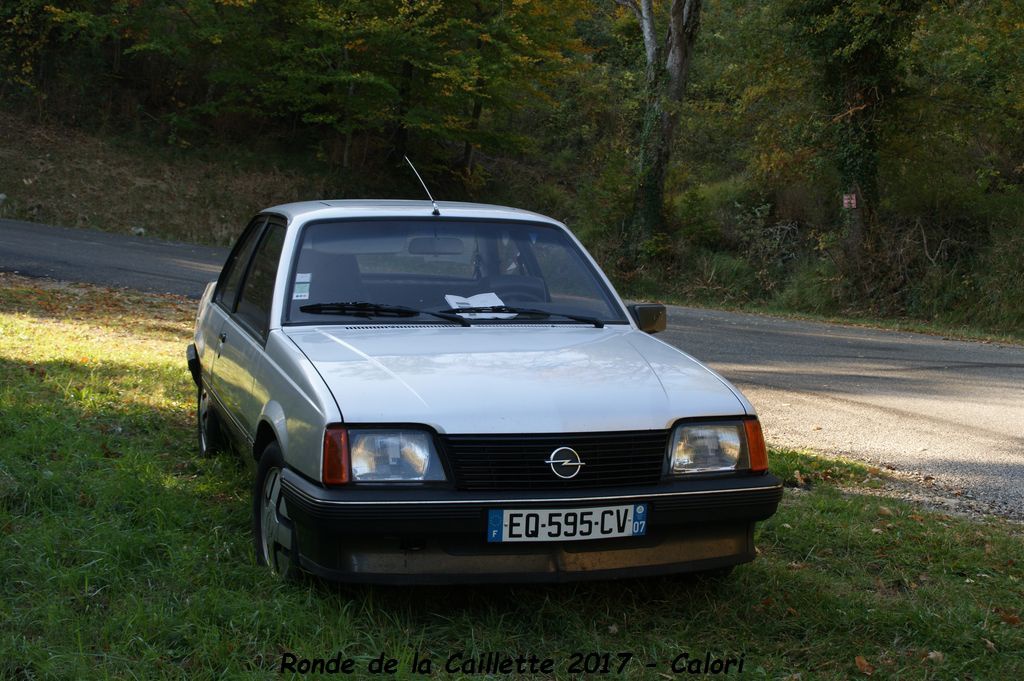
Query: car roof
point(377, 208)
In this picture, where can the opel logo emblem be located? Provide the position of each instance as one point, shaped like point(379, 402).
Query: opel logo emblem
point(565, 462)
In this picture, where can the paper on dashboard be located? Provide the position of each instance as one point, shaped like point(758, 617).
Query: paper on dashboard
point(479, 300)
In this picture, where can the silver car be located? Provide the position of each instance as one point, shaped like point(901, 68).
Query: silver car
point(457, 394)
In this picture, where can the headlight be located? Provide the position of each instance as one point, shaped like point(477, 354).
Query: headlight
point(393, 456)
point(717, 447)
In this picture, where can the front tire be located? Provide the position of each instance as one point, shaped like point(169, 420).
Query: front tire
point(272, 529)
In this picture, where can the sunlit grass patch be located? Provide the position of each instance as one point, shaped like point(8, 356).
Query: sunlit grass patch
point(124, 555)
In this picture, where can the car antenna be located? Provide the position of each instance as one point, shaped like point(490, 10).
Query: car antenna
point(437, 211)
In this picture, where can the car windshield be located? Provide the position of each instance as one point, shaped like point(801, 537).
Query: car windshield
point(437, 266)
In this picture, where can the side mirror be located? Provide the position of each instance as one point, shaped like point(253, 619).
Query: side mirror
point(651, 318)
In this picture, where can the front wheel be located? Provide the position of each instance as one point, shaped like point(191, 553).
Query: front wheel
point(273, 535)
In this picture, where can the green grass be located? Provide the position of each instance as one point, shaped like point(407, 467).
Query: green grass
point(124, 555)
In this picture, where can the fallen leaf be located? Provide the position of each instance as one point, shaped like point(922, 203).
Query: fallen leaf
point(991, 647)
point(799, 478)
point(885, 511)
point(876, 530)
point(936, 657)
point(613, 628)
point(874, 470)
point(1010, 618)
point(787, 526)
point(916, 517)
point(792, 612)
point(862, 664)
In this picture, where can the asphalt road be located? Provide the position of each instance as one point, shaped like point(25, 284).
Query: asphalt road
point(948, 410)
point(109, 259)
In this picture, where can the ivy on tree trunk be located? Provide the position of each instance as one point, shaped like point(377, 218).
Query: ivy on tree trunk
point(668, 66)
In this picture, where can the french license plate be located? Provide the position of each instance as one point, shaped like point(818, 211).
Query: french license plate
point(566, 525)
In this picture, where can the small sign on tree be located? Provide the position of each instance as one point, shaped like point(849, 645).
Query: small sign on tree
point(849, 201)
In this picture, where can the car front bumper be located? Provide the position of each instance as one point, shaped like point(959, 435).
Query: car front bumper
point(439, 535)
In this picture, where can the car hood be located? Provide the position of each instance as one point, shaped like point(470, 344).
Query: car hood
point(512, 379)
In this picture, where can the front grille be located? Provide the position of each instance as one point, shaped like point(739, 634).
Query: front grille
point(613, 459)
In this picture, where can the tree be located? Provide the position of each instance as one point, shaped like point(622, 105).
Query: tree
point(857, 48)
point(668, 67)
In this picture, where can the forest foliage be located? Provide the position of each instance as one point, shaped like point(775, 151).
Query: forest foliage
point(913, 107)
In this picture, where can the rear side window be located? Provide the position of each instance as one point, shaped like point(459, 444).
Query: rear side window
point(258, 288)
point(234, 270)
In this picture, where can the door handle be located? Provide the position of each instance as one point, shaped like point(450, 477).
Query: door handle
point(223, 337)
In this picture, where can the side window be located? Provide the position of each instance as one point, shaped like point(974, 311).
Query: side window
point(258, 288)
point(234, 270)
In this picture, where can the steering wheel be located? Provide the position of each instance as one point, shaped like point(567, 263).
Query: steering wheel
point(516, 292)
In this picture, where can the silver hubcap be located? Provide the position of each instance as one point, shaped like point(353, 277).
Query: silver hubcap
point(270, 524)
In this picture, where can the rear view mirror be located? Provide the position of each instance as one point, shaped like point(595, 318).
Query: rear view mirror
point(650, 317)
point(435, 245)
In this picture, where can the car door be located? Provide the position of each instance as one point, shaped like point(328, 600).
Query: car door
point(244, 332)
point(229, 284)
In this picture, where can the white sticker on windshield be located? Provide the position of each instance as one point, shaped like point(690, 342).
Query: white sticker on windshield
point(301, 291)
point(303, 277)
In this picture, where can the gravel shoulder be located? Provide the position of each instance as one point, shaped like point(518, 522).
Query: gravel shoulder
point(946, 415)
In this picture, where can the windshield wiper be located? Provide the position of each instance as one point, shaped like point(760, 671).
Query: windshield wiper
point(505, 309)
point(363, 309)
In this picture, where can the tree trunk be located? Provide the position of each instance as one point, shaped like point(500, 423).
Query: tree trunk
point(667, 70)
point(401, 147)
point(474, 125)
point(655, 142)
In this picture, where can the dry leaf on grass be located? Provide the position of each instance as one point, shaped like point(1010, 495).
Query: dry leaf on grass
point(885, 511)
point(863, 665)
point(989, 646)
point(1011, 618)
point(936, 656)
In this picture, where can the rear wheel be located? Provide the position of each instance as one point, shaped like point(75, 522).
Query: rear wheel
point(273, 535)
point(211, 438)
